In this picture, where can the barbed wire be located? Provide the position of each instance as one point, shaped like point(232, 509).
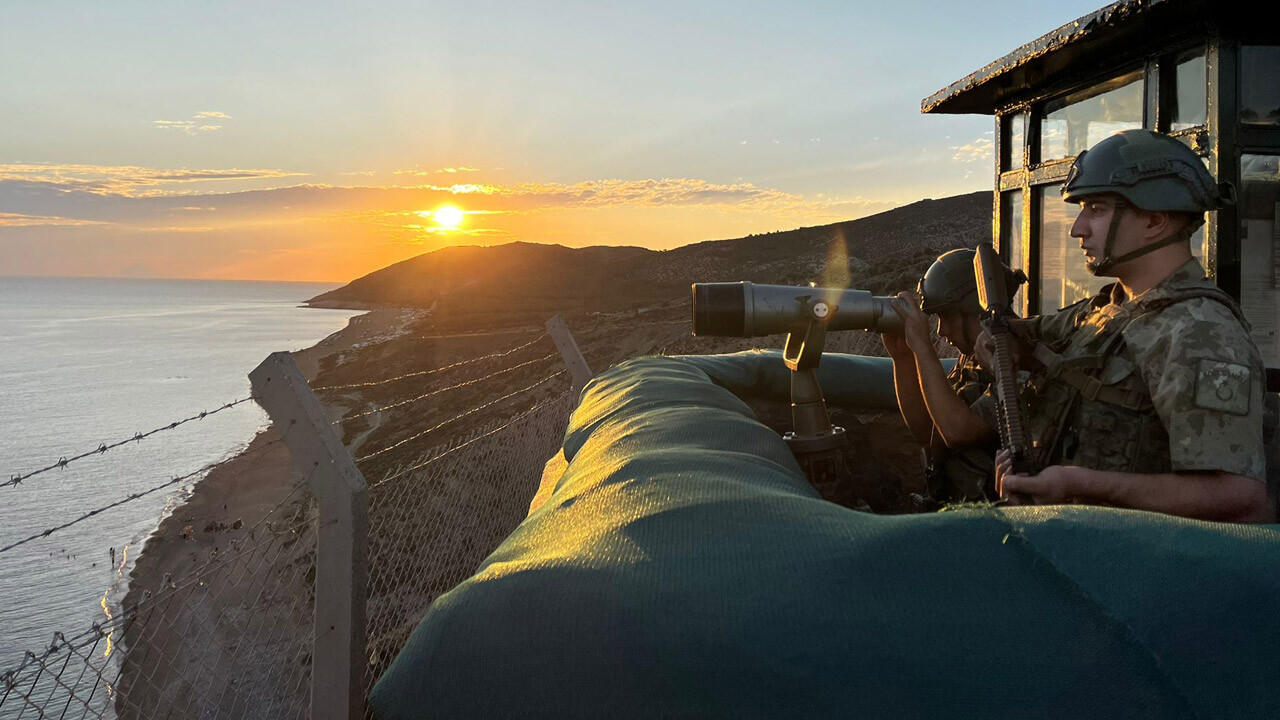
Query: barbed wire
point(426, 395)
point(127, 615)
point(143, 493)
point(169, 587)
point(421, 373)
point(460, 416)
point(657, 322)
point(65, 461)
point(510, 421)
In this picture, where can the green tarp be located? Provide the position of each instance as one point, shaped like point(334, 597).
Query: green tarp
point(684, 568)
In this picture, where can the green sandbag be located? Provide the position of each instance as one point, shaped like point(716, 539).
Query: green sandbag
point(684, 568)
point(858, 381)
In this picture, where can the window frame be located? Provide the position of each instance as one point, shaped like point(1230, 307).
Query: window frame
point(1159, 92)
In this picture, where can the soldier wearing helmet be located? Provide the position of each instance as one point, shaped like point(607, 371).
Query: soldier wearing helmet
point(937, 405)
point(1148, 395)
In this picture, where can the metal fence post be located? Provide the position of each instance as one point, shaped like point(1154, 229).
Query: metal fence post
point(568, 348)
point(338, 657)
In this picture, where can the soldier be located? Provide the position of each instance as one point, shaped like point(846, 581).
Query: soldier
point(1149, 394)
point(938, 406)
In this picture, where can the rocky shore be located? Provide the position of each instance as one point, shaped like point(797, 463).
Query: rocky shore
point(222, 509)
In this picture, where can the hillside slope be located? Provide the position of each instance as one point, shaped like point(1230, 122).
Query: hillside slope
point(507, 284)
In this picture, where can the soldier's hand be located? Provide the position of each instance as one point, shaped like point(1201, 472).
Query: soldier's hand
point(1004, 468)
point(915, 324)
point(896, 345)
point(984, 349)
point(1053, 485)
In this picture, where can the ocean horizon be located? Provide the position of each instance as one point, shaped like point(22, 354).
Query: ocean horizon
point(91, 360)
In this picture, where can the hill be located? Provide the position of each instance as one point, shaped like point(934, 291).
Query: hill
point(517, 282)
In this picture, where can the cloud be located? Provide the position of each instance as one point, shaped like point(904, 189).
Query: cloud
point(153, 199)
point(125, 180)
point(19, 220)
point(191, 127)
point(186, 126)
point(441, 171)
point(174, 229)
point(650, 193)
point(979, 149)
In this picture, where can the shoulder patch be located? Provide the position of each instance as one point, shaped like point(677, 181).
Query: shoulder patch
point(1223, 386)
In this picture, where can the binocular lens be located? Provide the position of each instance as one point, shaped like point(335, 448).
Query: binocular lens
point(719, 309)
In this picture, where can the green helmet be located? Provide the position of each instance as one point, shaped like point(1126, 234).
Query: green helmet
point(949, 285)
point(1149, 170)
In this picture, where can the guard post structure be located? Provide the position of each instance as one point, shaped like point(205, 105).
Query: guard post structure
point(1202, 71)
point(568, 348)
point(341, 581)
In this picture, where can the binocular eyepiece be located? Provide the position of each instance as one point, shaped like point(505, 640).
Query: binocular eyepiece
point(745, 309)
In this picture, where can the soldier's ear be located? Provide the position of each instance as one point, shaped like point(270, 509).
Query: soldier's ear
point(1157, 224)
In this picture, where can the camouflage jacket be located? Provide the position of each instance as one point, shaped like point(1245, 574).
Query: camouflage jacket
point(966, 473)
point(1169, 380)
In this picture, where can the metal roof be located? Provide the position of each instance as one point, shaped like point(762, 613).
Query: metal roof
point(1123, 27)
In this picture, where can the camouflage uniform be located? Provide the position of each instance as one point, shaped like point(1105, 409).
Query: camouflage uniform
point(966, 473)
point(1166, 381)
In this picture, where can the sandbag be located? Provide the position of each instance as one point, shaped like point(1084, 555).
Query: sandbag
point(682, 567)
point(856, 381)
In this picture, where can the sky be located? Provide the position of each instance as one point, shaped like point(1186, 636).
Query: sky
point(321, 141)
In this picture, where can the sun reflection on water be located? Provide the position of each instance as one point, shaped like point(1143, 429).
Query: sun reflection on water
point(106, 608)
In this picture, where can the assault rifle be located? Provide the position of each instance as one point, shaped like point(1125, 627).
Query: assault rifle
point(994, 298)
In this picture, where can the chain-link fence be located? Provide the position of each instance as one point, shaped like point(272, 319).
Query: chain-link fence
point(430, 527)
point(236, 634)
point(231, 635)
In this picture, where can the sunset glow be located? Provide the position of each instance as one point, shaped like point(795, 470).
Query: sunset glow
point(216, 163)
point(447, 216)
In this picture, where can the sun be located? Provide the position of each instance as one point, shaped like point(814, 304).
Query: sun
point(447, 216)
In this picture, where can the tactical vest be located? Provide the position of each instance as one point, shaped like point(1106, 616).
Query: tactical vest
point(966, 473)
point(1092, 408)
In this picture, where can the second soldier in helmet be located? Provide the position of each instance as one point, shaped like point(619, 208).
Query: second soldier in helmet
point(941, 408)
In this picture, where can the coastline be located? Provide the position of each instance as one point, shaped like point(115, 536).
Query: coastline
point(223, 506)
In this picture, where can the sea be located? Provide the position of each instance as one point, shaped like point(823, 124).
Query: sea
point(91, 361)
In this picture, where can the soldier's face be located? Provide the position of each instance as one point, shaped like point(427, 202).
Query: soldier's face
point(1094, 221)
point(959, 329)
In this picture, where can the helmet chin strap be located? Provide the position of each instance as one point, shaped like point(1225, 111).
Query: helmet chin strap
point(1104, 266)
point(966, 337)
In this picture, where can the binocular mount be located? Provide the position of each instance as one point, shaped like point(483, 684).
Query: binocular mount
point(818, 445)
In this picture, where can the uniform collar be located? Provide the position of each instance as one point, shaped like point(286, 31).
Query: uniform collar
point(1188, 274)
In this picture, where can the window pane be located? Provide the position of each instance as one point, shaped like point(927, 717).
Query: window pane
point(1259, 207)
point(1011, 237)
point(1197, 243)
point(1190, 101)
point(1259, 90)
point(1014, 134)
point(1074, 123)
point(1063, 276)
